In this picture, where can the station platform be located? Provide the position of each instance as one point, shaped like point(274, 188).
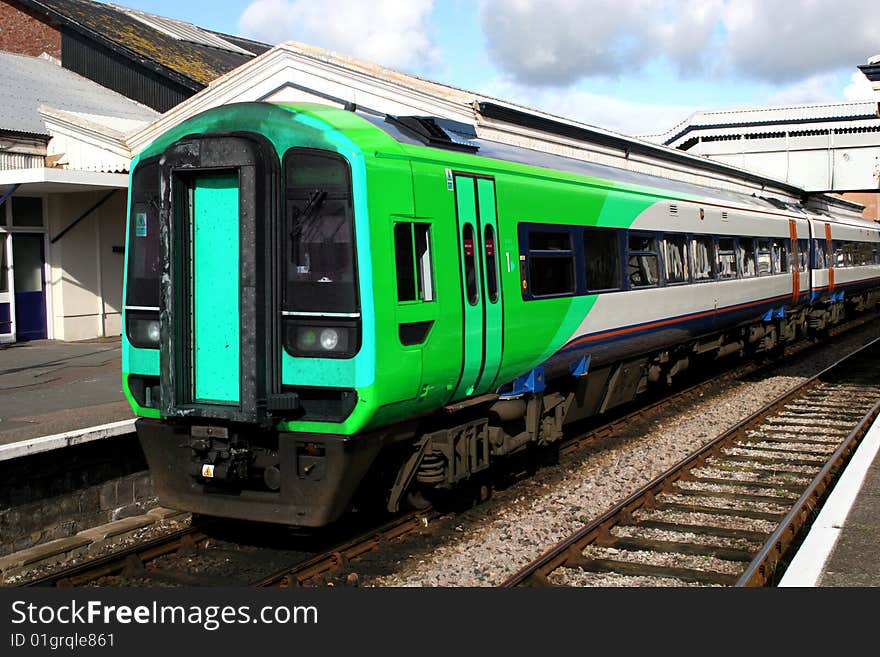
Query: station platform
point(54, 394)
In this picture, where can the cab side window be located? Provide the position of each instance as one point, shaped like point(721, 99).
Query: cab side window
point(412, 256)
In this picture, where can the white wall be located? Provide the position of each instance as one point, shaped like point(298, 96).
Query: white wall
point(86, 275)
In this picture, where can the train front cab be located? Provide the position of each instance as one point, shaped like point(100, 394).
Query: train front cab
point(244, 317)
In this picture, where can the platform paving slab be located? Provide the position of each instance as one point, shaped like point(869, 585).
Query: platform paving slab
point(50, 387)
point(43, 555)
point(855, 559)
point(86, 542)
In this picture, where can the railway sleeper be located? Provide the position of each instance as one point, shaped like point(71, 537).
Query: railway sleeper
point(703, 530)
point(793, 488)
point(650, 570)
point(794, 439)
point(635, 543)
point(724, 495)
point(719, 511)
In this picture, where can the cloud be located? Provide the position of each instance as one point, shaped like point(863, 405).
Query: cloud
point(821, 88)
point(778, 41)
point(394, 34)
point(557, 42)
point(860, 88)
point(609, 113)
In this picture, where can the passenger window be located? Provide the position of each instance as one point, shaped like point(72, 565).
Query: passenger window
point(702, 249)
point(748, 265)
point(804, 254)
point(838, 259)
point(470, 264)
point(726, 258)
point(643, 261)
point(819, 256)
point(765, 266)
point(491, 264)
point(676, 259)
point(412, 255)
point(602, 259)
point(780, 256)
point(551, 263)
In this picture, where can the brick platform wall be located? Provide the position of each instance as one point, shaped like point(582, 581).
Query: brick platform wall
point(59, 493)
point(21, 33)
point(871, 201)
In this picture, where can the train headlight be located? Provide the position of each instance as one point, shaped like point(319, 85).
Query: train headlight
point(144, 330)
point(153, 332)
point(329, 339)
point(306, 339)
point(316, 341)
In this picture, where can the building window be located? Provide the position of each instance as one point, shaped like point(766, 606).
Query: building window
point(643, 262)
point(676, 259)
point(27, 212)
point(726, 258)
point(4, 268)
point(602, 259)
point(551, 263)
point(702, 248)
point(412, 253)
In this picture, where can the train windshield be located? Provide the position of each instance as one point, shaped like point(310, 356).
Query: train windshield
point(144, 250)
point(320, 266)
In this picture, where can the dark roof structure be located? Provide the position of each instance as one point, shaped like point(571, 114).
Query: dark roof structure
point(153, 59)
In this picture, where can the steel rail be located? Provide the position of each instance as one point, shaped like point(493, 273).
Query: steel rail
point(117, 562)
point(761, 567)
point(335, 563)
point(764, 566)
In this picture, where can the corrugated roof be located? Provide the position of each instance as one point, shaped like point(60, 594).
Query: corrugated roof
point(767, 116)
point(138, 40)
point(26, 83)
point(183, 31)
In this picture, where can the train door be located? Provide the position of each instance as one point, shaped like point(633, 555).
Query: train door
point(829, 250)
point(6, 332)
point(481, 290)
point(219, 297)
point(214, 297)
point(795, 262)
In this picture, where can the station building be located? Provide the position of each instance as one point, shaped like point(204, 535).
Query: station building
point(76, 78)
point(79, 158)
point(829, 148)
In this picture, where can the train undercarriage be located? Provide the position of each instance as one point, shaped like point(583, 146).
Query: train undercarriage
point(312, 479)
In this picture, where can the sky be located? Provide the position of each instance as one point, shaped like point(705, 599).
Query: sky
point(634, 66)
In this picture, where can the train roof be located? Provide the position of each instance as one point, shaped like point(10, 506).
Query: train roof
point(455, 136)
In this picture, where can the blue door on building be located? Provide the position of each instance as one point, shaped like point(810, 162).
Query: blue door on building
point(5, 300)
point(28, 260)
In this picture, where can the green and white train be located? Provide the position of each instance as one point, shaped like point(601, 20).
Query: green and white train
point(320, 302)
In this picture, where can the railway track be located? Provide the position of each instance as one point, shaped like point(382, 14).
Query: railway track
point(729, 513)
point(334, 566)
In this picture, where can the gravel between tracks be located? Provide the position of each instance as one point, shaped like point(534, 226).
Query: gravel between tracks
point(486, 544)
